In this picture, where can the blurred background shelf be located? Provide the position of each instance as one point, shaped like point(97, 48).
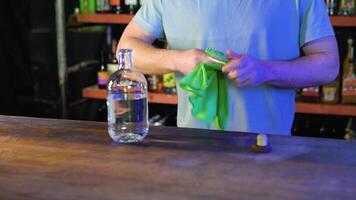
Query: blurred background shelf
point(338, 21)
point(93, 92)
point(105, 18)
point(343, 21)
point(326, 109)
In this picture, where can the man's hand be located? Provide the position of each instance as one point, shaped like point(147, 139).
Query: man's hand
point(151, 60)
point(245, 70)
point(186, 60)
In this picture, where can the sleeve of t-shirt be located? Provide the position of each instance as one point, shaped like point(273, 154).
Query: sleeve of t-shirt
point(149, 17)
point(315, 22)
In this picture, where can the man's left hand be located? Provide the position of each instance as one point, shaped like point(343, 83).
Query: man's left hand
point(245, 70)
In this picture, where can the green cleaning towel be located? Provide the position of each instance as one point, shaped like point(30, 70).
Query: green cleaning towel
point(208, 90)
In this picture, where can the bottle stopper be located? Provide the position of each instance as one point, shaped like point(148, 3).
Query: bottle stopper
point(262, 145)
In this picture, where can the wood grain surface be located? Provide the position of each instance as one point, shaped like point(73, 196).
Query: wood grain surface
point(62, 159)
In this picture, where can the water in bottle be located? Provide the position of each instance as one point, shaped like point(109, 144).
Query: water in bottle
point(127, 102)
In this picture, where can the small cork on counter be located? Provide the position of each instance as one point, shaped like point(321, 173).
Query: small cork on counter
point(262, 145)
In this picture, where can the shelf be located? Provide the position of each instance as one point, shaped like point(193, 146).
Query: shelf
point(337, 21)
point(105, 18)
point(343, 21)
point(93, 92)
point(326, 109)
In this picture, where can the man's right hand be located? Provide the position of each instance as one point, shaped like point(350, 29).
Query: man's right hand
point(151, 60)
point(188, 59)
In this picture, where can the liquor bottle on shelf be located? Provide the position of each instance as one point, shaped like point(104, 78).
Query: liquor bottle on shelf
point(346, 7)
point(349, 85)
point(349, 77)
point(350, 130)
point(154, 82)
point(116, 6)
point(102, 6)
point(103, 75)
point(331, 92)
point(132, 6)
point(169, 83)
point(332, 6)
point(72, 19)
point(349, 54)
point(112, 65)
point(87, 6)
point(110, 47)
point(127, 102)
point(310, 94)
point(158, 120)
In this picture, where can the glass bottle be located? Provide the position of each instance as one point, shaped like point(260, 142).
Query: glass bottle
point(349, 54)
point(350, 130)
point(330, 92)
point(349, 85)
point(311, 94)
point(332, 6)
point(349, 76)
point(347, 7)
point(116, 6)
point(102, 6)
point(102, 77)
point(127, 102)
point(169, 83)
point(87, 6)
point(132, 6)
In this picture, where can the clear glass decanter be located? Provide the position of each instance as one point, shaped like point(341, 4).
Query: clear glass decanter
point(127, 101)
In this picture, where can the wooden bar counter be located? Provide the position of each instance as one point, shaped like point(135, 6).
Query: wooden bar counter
point(63, 159)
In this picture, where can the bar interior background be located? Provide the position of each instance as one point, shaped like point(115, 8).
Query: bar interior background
point(49, 54)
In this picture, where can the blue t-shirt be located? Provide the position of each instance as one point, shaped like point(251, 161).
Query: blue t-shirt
point(265, 29)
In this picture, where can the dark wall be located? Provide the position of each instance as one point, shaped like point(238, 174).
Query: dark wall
point(28, 63)
point(14, 57)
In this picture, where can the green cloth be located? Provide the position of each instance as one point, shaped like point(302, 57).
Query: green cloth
point(208, 88)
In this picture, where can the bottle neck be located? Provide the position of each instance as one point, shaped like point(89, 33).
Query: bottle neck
point(350, 49)
point(351, 53)
point(124, 58)
point(351, 66)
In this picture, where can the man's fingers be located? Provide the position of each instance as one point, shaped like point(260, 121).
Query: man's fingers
point(237, 73)
point(232, 65)
point(231, 54)
point(205, 58)
point(232, 74)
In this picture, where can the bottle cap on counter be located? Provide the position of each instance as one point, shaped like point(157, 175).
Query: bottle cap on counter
point(261, 145)
point(262, 140)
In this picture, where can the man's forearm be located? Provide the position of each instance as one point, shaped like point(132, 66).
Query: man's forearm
point(148, 59)
point(311, 70)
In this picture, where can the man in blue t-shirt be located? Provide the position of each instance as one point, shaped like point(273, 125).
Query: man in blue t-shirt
point(263, 39)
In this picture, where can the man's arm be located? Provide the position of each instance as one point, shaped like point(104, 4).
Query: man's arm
point(151, 60)
point(319, 65)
